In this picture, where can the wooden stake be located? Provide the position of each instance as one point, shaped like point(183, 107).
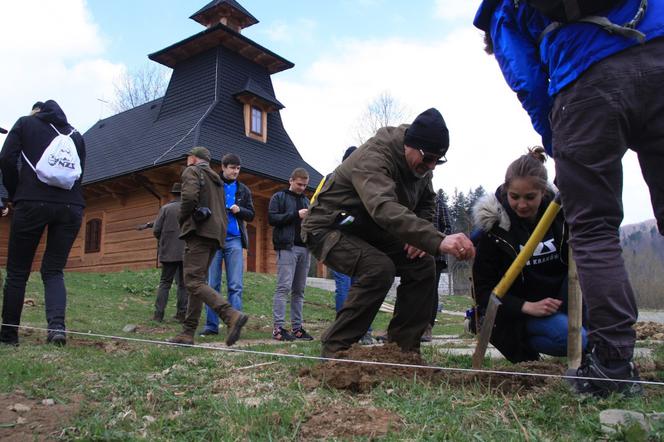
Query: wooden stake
point(574, 316)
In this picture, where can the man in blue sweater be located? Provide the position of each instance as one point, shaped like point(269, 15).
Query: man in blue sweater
point(591, 82)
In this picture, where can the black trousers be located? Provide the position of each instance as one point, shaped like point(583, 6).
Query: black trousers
point(440, 266)
point(28, 223)
point(616, 104)
point(170, 271)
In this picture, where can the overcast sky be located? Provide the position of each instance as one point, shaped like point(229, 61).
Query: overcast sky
point(425, 53)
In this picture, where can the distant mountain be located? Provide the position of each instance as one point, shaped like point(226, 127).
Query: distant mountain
point(643, 251)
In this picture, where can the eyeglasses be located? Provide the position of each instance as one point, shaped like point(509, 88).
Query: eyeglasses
point(432, 159)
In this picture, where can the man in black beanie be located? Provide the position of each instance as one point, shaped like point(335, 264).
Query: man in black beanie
point(372, 220)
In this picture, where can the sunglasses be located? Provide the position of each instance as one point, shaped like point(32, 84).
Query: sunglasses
point(432, 159)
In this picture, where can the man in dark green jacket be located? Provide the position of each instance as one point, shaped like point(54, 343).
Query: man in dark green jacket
point(203, 223)
point(372, 220)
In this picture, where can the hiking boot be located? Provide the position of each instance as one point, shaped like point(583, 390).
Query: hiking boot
point(183, 338)
point(367, 339)
point(301, 334)
point(235, 327)
point(281, 334)
point(57, 338)
point(9, 336)
point(179, 316)
point(611, 377)
point(158, 317)
point(427, 335)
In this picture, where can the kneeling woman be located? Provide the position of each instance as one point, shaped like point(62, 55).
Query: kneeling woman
point(533, 316)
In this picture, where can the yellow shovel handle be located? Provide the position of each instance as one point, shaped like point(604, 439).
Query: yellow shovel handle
point(527, 252)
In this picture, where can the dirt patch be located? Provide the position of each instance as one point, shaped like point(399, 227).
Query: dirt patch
point(112, 346)
point(649, 330)
point(347, 422)
point(23, 419)
point(361, 378)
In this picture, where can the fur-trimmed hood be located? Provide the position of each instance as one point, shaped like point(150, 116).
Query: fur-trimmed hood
point(488, 211)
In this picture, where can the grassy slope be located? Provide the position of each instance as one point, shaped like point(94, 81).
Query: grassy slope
point(194, 394)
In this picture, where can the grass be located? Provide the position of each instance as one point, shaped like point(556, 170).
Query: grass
point(133, 391)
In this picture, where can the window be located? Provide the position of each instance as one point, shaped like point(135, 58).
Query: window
point(256, 120)
point(93, 236)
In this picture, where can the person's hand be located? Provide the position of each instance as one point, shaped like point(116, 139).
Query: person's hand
point(457, 245)
point(303, 213)
point(4, 211)
point(234, 209)
point(545, 307)
point(413, 252)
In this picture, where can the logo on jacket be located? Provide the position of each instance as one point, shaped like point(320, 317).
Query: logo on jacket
point(545, 251)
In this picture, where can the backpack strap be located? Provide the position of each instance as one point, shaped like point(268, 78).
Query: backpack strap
point(28, 161)
point(59, 133)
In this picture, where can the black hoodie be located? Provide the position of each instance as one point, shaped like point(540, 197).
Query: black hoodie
point(32, 135)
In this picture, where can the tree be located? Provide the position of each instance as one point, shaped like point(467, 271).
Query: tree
point(137, 87)
point(384, 110)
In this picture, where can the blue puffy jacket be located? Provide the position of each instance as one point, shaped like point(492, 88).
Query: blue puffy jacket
point(537, 74)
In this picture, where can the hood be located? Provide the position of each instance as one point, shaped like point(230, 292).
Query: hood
point(214, 176)
point(488, 211)
point(482, 19)
point(52, 113)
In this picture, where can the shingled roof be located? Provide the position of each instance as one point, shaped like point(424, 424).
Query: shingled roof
point(199, 108)
point(203, 14)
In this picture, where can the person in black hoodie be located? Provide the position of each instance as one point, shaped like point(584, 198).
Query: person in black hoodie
point(533, 315)
point(36, 206)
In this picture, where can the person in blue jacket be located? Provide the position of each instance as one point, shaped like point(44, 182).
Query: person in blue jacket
point(592, 89)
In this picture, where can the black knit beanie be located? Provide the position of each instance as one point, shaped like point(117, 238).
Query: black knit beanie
point(349, 151)
point(429, 133)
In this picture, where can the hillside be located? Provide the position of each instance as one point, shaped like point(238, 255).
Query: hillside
point(643, 251)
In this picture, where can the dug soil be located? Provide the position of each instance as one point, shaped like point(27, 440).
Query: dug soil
point(23, 419)
point(342, 422)
point(649, 330)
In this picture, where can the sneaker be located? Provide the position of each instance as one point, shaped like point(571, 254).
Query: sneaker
point(608, 376)
point(367, 339)
point(208, 332)
point(57, 338)
point(281, 334)
point(235, 327)
point(9, 336)
point(183, 338)
point(301, 334)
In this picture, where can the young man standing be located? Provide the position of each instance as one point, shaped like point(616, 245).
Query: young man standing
point(239, 209)
point(203, 223)
point(286, 211)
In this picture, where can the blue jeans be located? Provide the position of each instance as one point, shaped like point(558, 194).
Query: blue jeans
point(231, 255)
point(341, 286)
point(548, 335)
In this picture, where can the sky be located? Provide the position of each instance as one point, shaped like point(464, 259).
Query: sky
point(424, 53)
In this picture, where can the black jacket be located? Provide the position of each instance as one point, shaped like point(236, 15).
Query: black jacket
point(283, 216)
point(32, 135)
point(545, 274)
point(246, 214)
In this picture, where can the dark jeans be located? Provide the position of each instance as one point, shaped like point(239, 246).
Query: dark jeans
point(28, 224)
point(373, 267)
point(616, 104)
point(440, 266)
point(170, 271)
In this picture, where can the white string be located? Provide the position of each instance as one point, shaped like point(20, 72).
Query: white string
point(320, 358)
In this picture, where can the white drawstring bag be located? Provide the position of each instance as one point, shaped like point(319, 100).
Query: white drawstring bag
point(59, 165)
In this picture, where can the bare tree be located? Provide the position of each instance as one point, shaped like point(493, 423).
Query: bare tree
point(137, 87)
point(384, 110)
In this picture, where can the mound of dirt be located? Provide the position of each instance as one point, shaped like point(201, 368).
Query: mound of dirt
point(361, 378)
point(649, 330)
point(335, 422)
point(23, 419)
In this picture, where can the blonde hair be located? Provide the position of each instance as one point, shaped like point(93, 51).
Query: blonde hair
point(530, 165)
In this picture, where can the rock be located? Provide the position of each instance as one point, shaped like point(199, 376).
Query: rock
point(19, 408)
point(48, 402)
point(612, 419)
point(21, 421)
point(130, 328)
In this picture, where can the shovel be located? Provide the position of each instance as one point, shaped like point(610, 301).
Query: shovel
point(509, 277)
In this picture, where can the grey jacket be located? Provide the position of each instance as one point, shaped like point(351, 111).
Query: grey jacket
point(167, 231)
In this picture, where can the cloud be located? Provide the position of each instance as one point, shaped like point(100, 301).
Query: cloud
point(53, 50)
point(488, 127)
point(298, 31)
point(455, 10)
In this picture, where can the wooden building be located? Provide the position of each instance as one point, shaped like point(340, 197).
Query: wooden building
point(220, 96)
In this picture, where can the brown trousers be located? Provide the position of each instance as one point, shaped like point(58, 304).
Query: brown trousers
point(373, 267)
point(198, 254)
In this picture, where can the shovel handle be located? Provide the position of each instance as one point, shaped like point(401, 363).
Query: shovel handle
point(527, 252)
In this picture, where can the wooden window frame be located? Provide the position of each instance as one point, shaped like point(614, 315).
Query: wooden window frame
point(248, 117)
point(93, 244)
